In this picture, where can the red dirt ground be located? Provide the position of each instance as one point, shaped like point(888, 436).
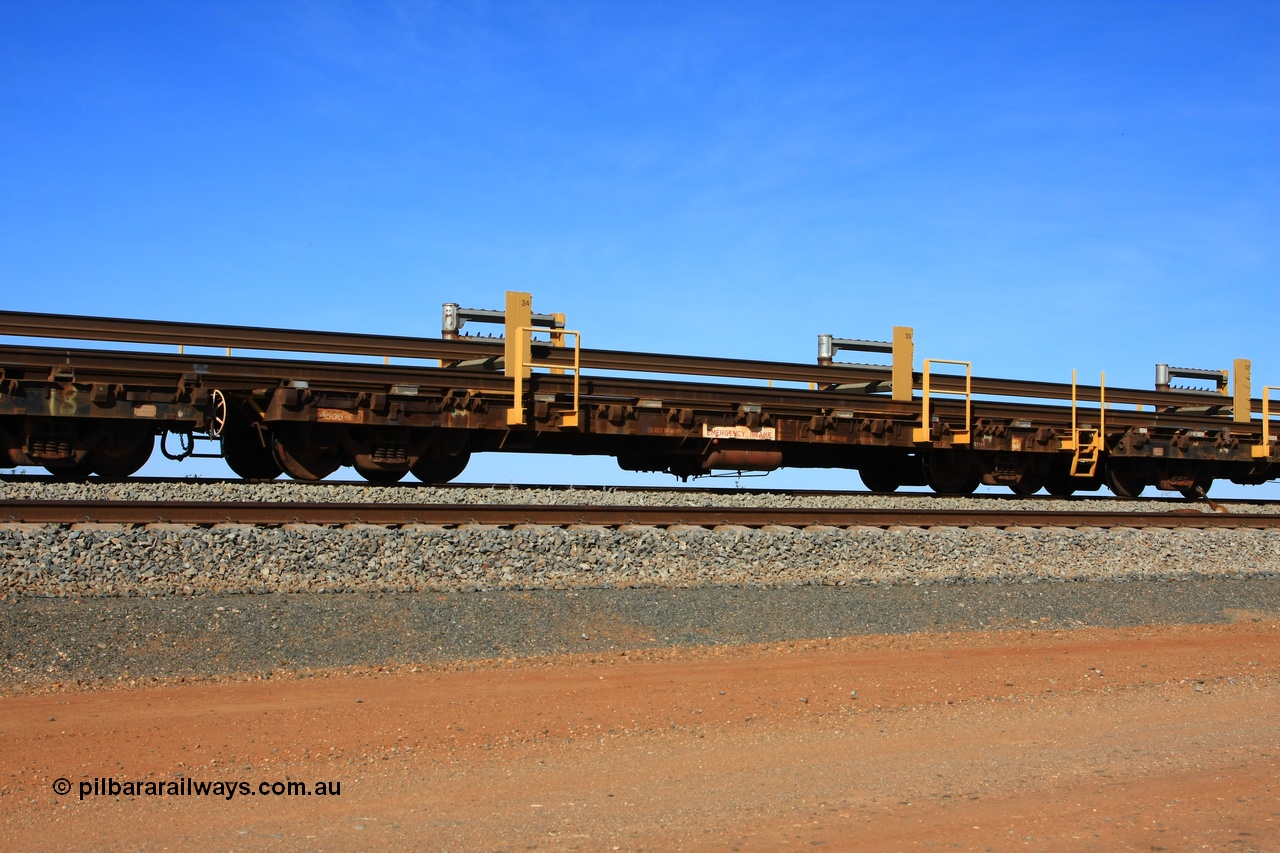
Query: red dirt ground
point(1150, 739)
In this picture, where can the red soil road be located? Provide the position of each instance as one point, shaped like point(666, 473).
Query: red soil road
point(1152, 739)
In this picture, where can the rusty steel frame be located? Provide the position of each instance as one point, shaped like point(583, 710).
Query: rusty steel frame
point(810, 426)
point(243, 373)
point(350, 382)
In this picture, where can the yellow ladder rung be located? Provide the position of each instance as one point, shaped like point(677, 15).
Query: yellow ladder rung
point(1087, 454)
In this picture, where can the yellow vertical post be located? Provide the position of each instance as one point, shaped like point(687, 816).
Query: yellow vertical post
point(925, 432)
point(1102, 405)
point(904, 357)
point(557, 338)
point(573, 419)
point(517, 350)
point(1085, 455)
point(1263, 451)
point(1241, 394)
point(519, 315)
point(1075, 433)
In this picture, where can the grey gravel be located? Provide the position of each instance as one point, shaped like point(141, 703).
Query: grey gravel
point(94, 601)
point(167, 559)
point(172, 559)
point(65, 642)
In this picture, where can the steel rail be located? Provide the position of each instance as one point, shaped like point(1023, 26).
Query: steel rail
point(196, 482)
point(245, 373)
point(386, 514)
point(840, 374)
point(250, 373)
point(72, 327)
point(65, 326)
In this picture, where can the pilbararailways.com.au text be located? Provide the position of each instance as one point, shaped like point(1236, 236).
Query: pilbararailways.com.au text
point(188, 787)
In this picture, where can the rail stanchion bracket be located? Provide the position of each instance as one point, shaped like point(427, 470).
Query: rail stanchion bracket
point(924, 434)
point(1265, 450)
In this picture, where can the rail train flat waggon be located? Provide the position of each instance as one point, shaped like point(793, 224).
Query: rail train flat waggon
point(307, 403)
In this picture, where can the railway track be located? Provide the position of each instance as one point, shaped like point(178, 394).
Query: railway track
point(997, 498)
point(564, 515)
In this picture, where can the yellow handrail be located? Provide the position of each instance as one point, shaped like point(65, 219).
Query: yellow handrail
point(924, 433)
point(517, 414)
point(1263, 451)
point(1086, 452)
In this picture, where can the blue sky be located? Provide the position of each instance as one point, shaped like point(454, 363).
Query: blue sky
point(1034, 187)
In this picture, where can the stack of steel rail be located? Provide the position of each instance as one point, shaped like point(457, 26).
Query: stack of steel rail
point(80, 411)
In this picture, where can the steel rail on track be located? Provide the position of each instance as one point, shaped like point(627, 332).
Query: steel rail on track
point(35, 325)
point(71, 327)
point(708, 489)
point(255, 372)
point(505, 515)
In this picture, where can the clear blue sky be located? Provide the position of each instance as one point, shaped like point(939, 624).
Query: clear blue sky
point(1032, 186)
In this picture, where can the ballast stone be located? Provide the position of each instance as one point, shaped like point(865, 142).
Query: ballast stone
point(54, 560)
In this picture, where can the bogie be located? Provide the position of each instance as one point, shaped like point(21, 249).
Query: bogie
point(247, 451)
point(441, 469)
point(952, 472)
point(1125, 479)
point(302, 452)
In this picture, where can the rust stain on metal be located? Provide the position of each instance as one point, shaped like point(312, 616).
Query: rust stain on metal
point(337, 416)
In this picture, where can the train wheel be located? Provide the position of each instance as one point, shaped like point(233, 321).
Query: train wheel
point(952, 472)
point(381, 476)
point(441, 469)
point(70, 473)
point(121, 452)
point(879, 479)
point(300, 457)
point(245, 453)
point(1060, 483)
point(1030, 481)
point(1124, 481)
